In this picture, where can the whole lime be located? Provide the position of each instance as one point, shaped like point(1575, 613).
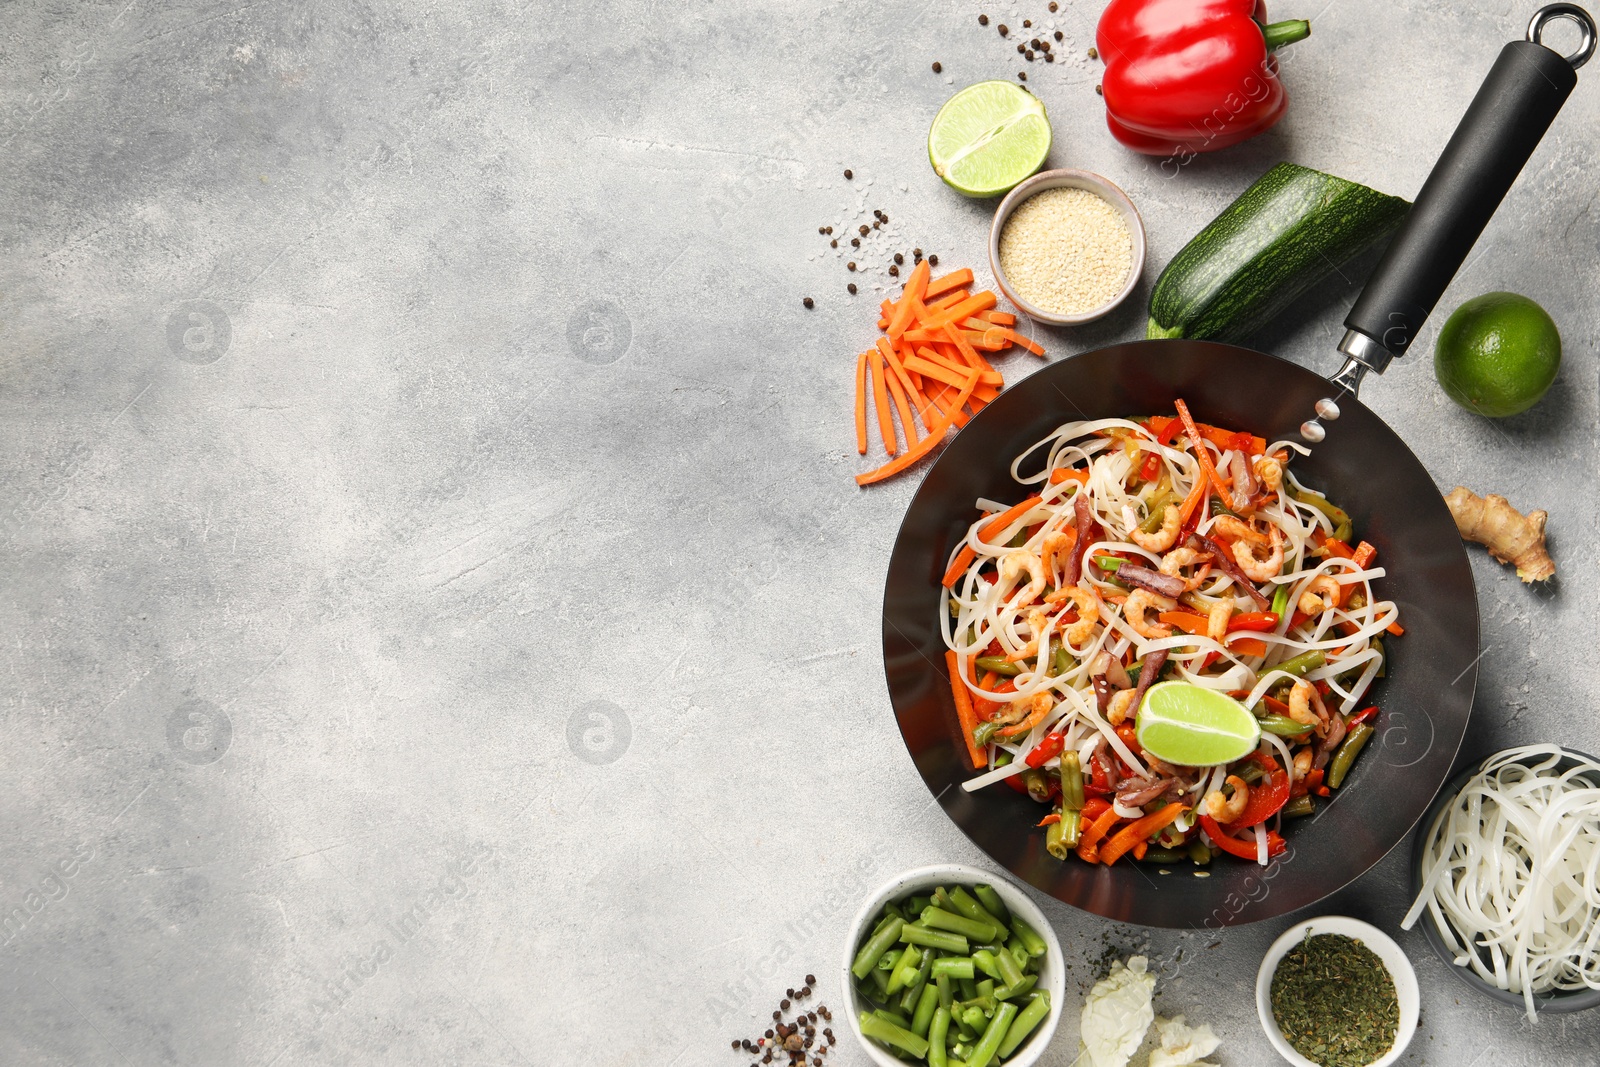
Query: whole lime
point(1497, 354)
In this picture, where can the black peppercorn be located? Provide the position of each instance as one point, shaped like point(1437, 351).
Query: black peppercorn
point(808, 302)
point(735, 1042)
point(937, 69)
point(1099, 91)
point(864, 231)
point(1058, 37)
point(855, 242)
point(1022, 75)
point(852, 266)
point(788, 992)
point(833, 243)
point(1028, 55)
point(848, 175)
point(852, 288)
point(1021, 48)
point(1094, 53)
point(1004, 29)
point(933, 261)
point(1049, 57)
point(894, 272)
point(876, 223)
point(983, 20)
point(1027, 23)
point(898, 258)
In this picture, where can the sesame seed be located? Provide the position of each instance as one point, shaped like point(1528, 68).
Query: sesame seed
point(1066, 251)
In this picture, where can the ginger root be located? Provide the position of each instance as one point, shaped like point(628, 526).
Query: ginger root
point(1510, 536)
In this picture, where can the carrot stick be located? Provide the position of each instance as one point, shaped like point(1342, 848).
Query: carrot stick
point(958, 338)
point(861, 403)
point(913, 392)
point(1138, 831)
point(1200, 449)
point(1016, 338)
point(999, 318)
point(1063, 474)
point(881, 395)
point(964, 712)
point(948, 300)
point(994, 526)
point(907, 421)
point(986, 377)
point(936, 434)
point(910, 300)
point(1187, 621)
point(971, 305)
point(936, 371)
point(1192, 502)
point(956, 279)
point(1088, 844)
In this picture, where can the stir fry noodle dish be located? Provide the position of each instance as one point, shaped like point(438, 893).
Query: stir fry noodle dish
point(1168, 644)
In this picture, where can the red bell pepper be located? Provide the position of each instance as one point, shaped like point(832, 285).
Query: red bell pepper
point(1266, 796)
point(1254, 621)
point(1189, 76)
point(1235, 846)
point(1048, 748)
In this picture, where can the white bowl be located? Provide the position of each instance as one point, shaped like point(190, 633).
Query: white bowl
point(1067, 179)
point(1394, 960)
point(1052, 975)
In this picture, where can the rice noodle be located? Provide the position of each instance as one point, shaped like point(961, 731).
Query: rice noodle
point(1511, 873)
point(994, 611)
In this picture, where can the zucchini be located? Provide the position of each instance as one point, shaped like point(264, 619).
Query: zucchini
point(1285, 233)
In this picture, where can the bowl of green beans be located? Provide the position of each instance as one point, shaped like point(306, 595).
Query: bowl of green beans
point(950, 965)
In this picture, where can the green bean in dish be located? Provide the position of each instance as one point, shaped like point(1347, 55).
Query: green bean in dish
point(962, 977)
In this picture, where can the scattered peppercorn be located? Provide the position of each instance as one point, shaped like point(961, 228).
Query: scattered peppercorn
point(808, 302)
point(848, 175)
point(855, 242)
point(788, 992)
point(822, 229)
point(1004, 29)
point(1021, 48)
point(852, 288)
point(894, 272)
point(1054, 7)
point(1049, 57)
point(735, 1042)
point(1027, 23)
point(1022, 75)
point(933, 261)
point(898, 258)
point(833, 243)
point(1094, 53)
point(851, 264)
point(1028, 55)
point(983, 20)
point(876, 223)
point(767, 1034)
point(937, 69)
point(1058, 37)
point(784, 1004)
point(1043, 46)
point(1099, 91)
point(918, 253)
point(863, 231)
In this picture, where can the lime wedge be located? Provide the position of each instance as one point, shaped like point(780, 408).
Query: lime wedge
point(988, 137)
point(1194, 727)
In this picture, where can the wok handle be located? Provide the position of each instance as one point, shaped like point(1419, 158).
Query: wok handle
point(1516, 104)
point(1519, 99)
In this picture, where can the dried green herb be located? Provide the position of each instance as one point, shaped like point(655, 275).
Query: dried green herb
point(1335, 1001)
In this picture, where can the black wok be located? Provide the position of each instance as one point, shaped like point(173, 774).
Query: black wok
point(1363, 465)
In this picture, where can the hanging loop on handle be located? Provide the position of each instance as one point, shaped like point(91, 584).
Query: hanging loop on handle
point(1545, 15)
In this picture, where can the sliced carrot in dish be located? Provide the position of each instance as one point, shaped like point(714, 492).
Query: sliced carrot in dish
point(965, 715)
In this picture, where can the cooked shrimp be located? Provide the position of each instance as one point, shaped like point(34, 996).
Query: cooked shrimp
point(1141, 600)
point(1239, 530)
point(1036, 623)
point(1184, 556)
point(1121, 704)
point(1270, 471)
point(1258, 568)
point(1014, 564)
point(1088, 605)
point(1163, 538)
point(1225, 809)
point(1300, 703)
point(1217, 620)
point(1320, 595)
point(1018, 710)
point(1302, 764)
point(1055, 544)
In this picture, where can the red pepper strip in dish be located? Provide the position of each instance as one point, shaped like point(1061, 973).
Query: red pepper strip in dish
point(1245, 850)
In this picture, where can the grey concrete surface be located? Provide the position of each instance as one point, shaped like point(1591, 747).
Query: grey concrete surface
point(439, 623)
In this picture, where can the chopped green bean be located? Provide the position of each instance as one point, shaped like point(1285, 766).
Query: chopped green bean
point(1109, 563)
point(983, 959)
point(922, 1018)
point(1280, 600)
point(880, 981)
point(964, 903)
point(905, 969)
point(984, 732)
point(1025, 933)
point(1010, 973)
point(973, 1016)
point(1303, 664)
point(995, 1033)
point(1299, 807)
point(888, 1032)
point(1071, 780)
point(879, 943)
point(1014, 991)
point(1349, 749)
point(938, 1034)
point(1284, 726)
point(999, 665)
point(1383, 660)
point(953, 967)
point(1199, 853)
point(1158, 512)
point(1055, 836)
point(986, 990)
point(1060, 661)
point(941, 983)
point(914, 934)
point(1037, 783)
point(992, 903)
point(1025, 1023)
point(918, 983)
point(1251, 773)
point(889, 1015)
point(939, 919)
point(968, 987)
point(914, 905)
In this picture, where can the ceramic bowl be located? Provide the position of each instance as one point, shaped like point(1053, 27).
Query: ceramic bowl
point(1067, 179)
point(1052, 975)
point(1393, 957)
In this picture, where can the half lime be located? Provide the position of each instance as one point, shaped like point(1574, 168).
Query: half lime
point(1194, 727)
point(988, 137)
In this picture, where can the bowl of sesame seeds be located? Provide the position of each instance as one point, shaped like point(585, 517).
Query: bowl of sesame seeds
point(1066, 246)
